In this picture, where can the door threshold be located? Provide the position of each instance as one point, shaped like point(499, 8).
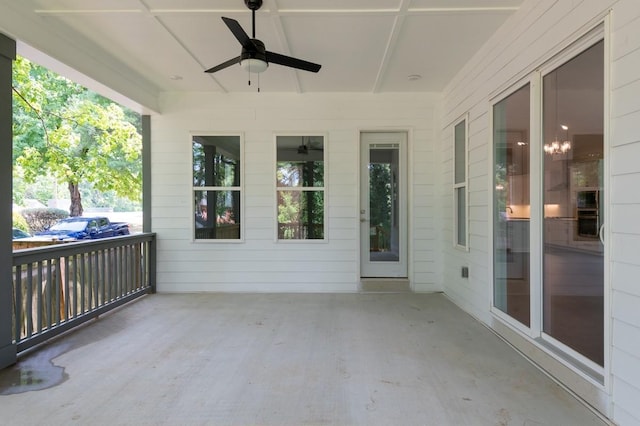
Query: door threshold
point(385, 285)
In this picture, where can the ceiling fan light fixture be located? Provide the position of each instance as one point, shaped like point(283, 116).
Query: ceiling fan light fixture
point(254, 65)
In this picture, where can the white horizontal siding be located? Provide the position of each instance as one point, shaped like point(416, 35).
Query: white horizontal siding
point(538, 31)
point(259, 263)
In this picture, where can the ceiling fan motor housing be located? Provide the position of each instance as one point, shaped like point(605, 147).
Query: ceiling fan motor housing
point(253, 4)
point(257, 53)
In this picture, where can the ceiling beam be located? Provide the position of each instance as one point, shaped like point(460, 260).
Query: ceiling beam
point(391, 44)
point(284, 43)
point(180, 43)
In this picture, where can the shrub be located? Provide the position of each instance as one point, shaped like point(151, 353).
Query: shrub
point(40, 219)
point(19, 222)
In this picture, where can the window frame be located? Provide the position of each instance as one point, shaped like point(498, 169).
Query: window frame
point(239, 188)
point(464, 119)
point(322, 188)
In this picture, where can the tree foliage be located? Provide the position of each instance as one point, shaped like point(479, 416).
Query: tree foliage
point(42, 218)
point(73, 134)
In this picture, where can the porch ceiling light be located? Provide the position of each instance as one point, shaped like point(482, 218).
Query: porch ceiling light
point(254, 65)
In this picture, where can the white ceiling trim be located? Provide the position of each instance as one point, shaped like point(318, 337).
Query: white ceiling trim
point(391, 44)
point(181, 44)
point(284, 45)
point(83, 11)
point(283, 12)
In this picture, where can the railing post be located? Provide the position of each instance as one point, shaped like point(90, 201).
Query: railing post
point(8, 350)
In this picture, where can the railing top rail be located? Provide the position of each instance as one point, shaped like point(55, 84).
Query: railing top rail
point(37, 254)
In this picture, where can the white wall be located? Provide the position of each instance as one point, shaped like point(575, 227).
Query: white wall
point(260, 263)
point(530, 37)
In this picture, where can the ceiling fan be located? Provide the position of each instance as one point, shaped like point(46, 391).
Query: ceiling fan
point(254, 57)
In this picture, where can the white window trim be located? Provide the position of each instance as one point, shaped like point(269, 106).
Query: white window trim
point(464, 184)
point(324, 188)
point(217, 188)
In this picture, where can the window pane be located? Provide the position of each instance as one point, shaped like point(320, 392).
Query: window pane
point(216, 161)
point(573, 286)
point(459, 152)
point(217, 215)
point(461, 214)
point(300, 161)
point(300, 215)
point(511, 204)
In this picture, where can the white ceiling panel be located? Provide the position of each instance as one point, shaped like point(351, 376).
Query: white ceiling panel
point(464, 4)
point(351, 61)
point(362, 45)
point(435, 46)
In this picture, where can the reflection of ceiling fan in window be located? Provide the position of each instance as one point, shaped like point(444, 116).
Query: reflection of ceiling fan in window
point(307, 145)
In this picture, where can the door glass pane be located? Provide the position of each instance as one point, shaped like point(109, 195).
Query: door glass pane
point(512, 206)
point(573, 111)
point(383, 203)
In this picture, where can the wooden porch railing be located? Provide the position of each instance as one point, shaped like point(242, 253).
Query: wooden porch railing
point(58, 287)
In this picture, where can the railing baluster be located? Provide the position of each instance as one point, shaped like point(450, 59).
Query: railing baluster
point(39, 307)
point(57, 281)
point(104, 277)
point(17, 304)
point(65, 294)
point(47, 294)
point(29, 308)
point(75, 285)
point(83, 282)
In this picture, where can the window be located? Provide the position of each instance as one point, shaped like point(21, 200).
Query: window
point(300, 187)
point(460, 184)
point(216, 187)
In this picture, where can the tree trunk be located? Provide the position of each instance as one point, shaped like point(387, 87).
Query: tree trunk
point(76, 203)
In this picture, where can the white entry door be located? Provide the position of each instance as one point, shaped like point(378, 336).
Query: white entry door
point(383, 199)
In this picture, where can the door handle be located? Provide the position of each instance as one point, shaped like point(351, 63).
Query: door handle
point(601, 233)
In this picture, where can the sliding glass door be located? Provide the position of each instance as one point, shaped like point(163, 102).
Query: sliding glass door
point(512, 207)
point(564, 305)
point(573, 260)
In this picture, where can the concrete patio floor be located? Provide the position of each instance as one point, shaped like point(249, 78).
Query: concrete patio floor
point(284, 359)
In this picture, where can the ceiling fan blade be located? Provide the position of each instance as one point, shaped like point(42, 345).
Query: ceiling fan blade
point(224, 65)
point(240, 34)
point(288, 61)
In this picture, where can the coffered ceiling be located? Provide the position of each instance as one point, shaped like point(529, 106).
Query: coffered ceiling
point(165, 45)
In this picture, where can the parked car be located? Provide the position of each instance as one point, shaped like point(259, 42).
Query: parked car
point(19, 233)
point(85, 228)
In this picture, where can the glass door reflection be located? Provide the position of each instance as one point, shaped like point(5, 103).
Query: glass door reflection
point(573, 262)
point(383, 203)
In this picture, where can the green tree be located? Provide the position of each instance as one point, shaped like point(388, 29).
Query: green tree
point(73, 134)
